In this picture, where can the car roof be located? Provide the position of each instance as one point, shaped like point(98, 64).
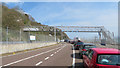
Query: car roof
point(106, 50)
point(79, 42)
point(89, 44)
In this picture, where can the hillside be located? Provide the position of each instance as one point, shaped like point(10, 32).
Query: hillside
point(13, 20)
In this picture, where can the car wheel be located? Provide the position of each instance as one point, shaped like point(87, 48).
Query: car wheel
point(75, 48)
point(84, 65)
point(79, 53)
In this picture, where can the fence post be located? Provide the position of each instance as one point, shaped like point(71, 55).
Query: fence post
point(55, 33)
point(7, 35)
point(20, 35)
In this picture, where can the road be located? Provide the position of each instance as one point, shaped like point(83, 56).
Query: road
point(61, 56)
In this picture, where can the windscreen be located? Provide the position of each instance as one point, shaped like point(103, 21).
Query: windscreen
point(80, 43)
point(109, 59)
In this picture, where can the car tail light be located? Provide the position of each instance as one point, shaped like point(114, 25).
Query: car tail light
point(78, 45)
point(83, 49)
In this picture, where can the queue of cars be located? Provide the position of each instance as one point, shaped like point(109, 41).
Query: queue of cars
point(94, 57)
point(78, 44)
point(85, 47)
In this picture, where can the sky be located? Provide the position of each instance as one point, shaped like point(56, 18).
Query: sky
point(73, 14)
point(59, 0)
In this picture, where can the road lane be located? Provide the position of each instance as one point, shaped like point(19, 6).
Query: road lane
point(9, 59)
point(34, 60)
point(61, 58)
point(78, 60)
point(62, 55)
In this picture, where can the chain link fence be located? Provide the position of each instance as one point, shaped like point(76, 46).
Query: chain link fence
point(19, 36)
point(17, 40)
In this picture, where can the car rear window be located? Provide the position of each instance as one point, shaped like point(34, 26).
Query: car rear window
point(89, 46)
point(80, 43)
point(108, 59)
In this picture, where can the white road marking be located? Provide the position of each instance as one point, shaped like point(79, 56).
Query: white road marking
point(51, 54)
point(73, 64)
point(0, 66)
point(19, 53)
point(39, 63)
point(47, 58)
point(61, 48)
point(55, 52)
point(31, 57)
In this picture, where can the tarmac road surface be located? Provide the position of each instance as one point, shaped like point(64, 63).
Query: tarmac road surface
point(61, 55)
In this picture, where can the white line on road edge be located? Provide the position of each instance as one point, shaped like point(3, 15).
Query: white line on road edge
point(31, 57)
point(0, 66)
point(39, 63)
point(20, 53)
point(51, 54)
point(47, 58)
point(73, 64)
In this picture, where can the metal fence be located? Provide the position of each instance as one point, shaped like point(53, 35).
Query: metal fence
point(17, 40)
point(19, 36)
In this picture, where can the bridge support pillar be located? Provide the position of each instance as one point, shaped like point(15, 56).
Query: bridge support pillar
point(99, 36)
point(61, 35)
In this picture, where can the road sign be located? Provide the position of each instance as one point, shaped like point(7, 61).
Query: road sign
point(32, 37)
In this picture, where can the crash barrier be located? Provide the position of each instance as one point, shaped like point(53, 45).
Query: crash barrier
point(8, 48)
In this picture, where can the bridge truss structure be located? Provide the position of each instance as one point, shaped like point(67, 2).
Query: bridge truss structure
point(102, 32)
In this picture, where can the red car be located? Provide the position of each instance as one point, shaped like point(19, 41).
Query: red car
point(101, 58)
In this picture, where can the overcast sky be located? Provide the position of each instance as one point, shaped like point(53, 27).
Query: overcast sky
point(74, 13)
